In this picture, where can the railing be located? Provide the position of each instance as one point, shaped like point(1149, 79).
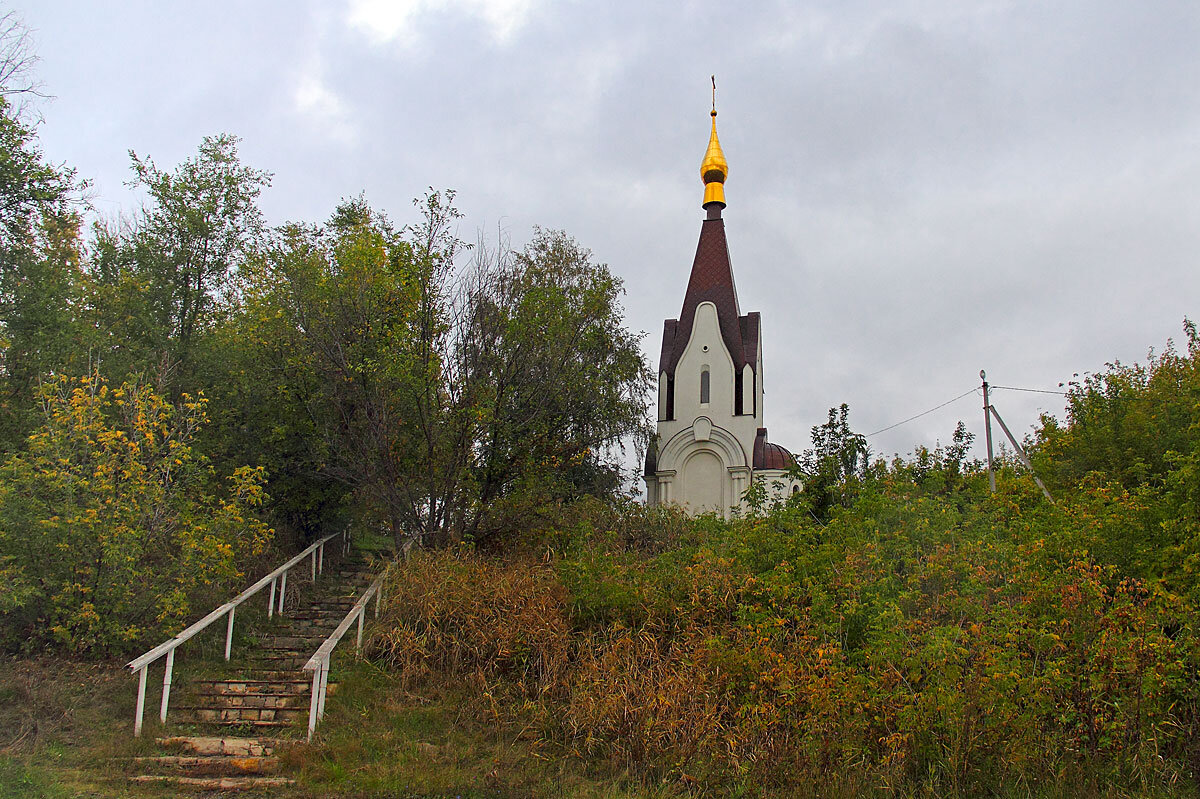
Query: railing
point(141, 665)
point(318, 664)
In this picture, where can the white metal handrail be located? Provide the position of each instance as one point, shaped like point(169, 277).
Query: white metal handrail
point(318, 664)
point(141, 664)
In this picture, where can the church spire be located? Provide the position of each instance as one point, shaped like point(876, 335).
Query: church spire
point(715, 168)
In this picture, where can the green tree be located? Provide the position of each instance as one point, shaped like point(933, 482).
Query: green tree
point(1125, 461)
point(39, 271)
point(1128, 422)
point(835, 464)
point(335, 312)
point(557, 378)
point(160, 283)
point(447, 402)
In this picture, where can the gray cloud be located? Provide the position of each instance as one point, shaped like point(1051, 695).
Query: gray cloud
point(917, 189)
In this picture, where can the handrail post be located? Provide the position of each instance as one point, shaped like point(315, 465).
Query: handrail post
point(166, 693)
point(229, 633)
point(141, 702)
point(271, 601)
point(361, 613)
point(321, 558)
point(378, 599)
point(314, 566)
point(312, 702)
point(324, 687)
point(282, 591)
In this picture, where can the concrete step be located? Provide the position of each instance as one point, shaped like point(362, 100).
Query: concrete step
point(280, 662)
point(273, 655)
point(201, 714)
point(314, 620)
point(302, 646)
point(228, 746)
point(242, 726)
point(210, 765)
point(215, 783)
point(248, 700)
point(250, 687)
point(260, 674)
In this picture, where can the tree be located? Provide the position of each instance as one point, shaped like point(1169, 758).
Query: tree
point(17, 62)
point(1125, 462)
point(835, 464)
point(557, 378)
point(443, 400)
point(336, 312)
point(39, 271)
point(1127, 421)
point(162, 281)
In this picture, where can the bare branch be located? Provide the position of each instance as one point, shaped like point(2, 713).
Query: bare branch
point(18, 58)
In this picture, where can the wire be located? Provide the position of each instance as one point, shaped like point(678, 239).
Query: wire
point(923, 413)
point(1030, 390)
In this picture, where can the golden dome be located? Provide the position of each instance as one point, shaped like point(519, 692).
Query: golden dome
point(715, 168)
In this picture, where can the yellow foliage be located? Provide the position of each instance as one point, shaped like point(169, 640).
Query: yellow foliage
point(111, 485)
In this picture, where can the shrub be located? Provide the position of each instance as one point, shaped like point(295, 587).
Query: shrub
point(109, 524)
point(919, 638)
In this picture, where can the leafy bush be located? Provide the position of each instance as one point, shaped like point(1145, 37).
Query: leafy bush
point(1127, 459)
point(932, 636)
point(109, 525)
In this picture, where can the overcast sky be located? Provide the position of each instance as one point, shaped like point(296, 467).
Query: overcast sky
point(917, 190)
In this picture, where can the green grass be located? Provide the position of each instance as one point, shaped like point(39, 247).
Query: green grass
point(19, 780)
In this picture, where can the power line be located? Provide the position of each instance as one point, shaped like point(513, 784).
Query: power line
point(923, 413)
point(1031, 390)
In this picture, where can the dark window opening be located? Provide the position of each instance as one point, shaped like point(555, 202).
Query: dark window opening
point(670, 399)
point(737, 394)
point(704, 387)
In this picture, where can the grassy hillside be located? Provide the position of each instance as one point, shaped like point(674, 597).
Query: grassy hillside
point(894, 630)
point(930, 640)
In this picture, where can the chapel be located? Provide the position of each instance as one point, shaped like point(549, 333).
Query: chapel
point(712, 442)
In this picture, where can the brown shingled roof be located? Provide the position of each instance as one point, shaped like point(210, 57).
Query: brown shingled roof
point(712, 281)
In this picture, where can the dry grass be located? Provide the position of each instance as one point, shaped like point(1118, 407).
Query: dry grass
point(61, 723)
point(380, 739)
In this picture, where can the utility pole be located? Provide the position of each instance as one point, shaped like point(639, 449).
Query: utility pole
point(1021, 454)
point(989, 411)
point(987, 427)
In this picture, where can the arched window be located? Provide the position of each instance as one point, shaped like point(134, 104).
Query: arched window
point(704, 386)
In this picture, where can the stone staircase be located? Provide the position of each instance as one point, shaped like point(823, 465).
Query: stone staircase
point(227, 730)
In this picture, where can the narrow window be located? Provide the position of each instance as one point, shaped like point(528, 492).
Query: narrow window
point(737, 394)
point(704, 388)
point(670, 398)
